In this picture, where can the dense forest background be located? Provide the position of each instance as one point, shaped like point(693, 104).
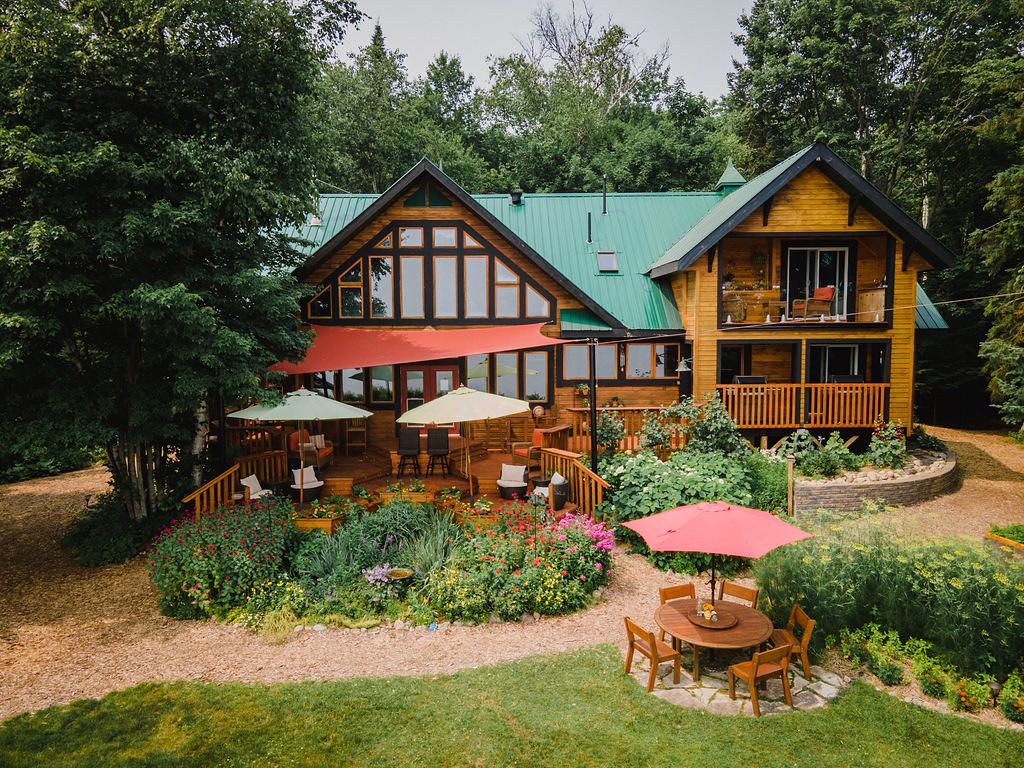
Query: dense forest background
point(151, 150)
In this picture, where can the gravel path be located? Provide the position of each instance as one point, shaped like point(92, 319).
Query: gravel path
point(68, 632)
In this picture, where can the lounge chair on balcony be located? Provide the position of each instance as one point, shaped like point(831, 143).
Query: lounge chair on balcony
point(529, 453)
point(819, 304)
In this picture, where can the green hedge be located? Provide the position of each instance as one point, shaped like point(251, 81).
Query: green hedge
point(966, 600)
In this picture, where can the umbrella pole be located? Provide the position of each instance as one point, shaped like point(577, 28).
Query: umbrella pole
point(469, 458)
point(302, 467)
point(712, 579)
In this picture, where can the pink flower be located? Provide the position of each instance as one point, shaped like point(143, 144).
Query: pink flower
point(598, 566)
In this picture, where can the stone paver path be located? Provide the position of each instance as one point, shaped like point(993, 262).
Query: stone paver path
point(712, 692)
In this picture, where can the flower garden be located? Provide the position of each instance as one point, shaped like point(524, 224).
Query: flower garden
point(399, 560)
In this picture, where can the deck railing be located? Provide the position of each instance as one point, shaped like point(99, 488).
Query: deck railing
point(269, 467)
point(586, 490)
point(254, 439)
point(788, 406)
point(632, 419)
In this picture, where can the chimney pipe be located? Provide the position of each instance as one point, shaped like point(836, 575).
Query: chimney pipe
point(590, 237)
point(517, 196)
point(604, 194)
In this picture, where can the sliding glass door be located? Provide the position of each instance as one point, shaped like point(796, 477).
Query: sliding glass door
point(812, 268)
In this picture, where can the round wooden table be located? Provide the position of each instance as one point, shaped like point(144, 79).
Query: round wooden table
point(750, 630)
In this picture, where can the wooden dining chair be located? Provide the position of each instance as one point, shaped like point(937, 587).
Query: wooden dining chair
point(678, 592)
point(644, 641)
point(787, 636)
point(762, 667)
point(739, 592)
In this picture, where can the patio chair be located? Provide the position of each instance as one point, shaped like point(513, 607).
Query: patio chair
point(739, 592)
point(513, 482)
point(555, 492)
point(820, 303)
point(252, 488)
point(529, 452)
point(307, 486)
point(734, 308)
point(678, 592)
point(316, 450)
point(762, 667)
point(409, 450)
point(787, 636)
point(437, 449)
point(655, 650)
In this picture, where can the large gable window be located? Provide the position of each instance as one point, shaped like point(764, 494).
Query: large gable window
point(422, 271)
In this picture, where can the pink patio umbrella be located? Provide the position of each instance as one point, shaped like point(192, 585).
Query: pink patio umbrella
point(717, 528)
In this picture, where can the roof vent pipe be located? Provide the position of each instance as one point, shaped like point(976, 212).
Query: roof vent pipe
point(604, 194)
point(517, 196)
point(590, 237)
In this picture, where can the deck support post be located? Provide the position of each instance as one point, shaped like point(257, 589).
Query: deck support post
point(593, 405)
point(790, 462)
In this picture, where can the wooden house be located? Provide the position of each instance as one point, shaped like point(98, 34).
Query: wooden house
point(794, 295)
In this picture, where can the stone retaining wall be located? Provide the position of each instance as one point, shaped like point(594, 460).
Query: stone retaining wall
point(848, 497)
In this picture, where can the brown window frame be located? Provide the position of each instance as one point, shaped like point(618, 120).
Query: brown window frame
point(352, 284)
point(527, 290)
point(654, 360)
point(516, 282)
point(486, 258)
point(586, 377)
point(433, 237)
point(368, 312)
point(330, 310)
point(402, 257)
point(420, 244)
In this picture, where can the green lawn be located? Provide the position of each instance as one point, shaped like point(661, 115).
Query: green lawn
point(574, 709)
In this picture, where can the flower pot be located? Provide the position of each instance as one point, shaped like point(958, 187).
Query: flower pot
point(327, 524)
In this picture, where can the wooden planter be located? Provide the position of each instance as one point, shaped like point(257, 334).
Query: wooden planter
point(1002, 540)
point(422, 497)
point(326, 524)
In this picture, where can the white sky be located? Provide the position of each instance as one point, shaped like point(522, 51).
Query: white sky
point(697, 32)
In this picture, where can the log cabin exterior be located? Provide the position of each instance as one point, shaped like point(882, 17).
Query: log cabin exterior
point(718, 281)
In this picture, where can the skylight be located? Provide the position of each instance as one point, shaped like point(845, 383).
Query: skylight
point(607, 261)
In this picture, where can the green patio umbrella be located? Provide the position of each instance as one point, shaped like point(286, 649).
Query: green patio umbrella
point(302, 406)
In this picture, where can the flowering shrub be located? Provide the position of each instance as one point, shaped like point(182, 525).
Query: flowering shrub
point(933, 679)
point(970, 695)
point(888, 447)
point(1011, 698)
point(207, 567)
point(966, 600)
point(525, 562)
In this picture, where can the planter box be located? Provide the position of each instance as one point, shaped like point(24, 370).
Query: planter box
point(415, 496)
point(1003, 541)
point(327, 524)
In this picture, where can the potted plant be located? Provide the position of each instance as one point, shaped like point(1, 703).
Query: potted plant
point(325, 516)
point(415, 491)
point(582, 393)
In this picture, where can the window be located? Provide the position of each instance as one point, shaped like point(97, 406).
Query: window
point(809, 269)
point(322, 383)
point(478, 372)
point(352, 385)
point(607, 261)
point(506, 291)
point(382, 378)
point(350, 291)
point(506, 371)
point(651, 361)
point(319, 307)
point(446, 287)
point(576, 361)
point(476, 286)
point(469, 242)
point(386, 241)
point(382, 287)
point(536, 305)
point(412, 286)
point(535, 366)
point(444, 237)
point(410, 237)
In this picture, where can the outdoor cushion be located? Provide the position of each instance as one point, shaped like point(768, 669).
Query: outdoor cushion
point(557, 479)
point(256, 491)
point(319, 442)
point(513, 473)
point(511, 484)
point(295, 438)
point(307, 476)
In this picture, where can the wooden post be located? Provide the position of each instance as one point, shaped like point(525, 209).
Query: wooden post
point(764, 442)
point(790, 462)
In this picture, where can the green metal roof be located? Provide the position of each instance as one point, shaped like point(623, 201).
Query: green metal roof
point(638, 227)
point(718, 216)
point(730, 177)
point(927, 316)
point(581, 321)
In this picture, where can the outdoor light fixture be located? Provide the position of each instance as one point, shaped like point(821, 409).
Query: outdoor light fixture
point(683, 367)
point(538, 411)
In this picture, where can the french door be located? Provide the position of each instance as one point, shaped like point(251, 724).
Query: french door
point(422, 383)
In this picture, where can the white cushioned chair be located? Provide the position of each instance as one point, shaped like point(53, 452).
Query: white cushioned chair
point(512, 483)
point(306, 483)
point(253, 489)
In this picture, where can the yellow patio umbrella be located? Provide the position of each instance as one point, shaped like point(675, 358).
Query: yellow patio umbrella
point(464, 405)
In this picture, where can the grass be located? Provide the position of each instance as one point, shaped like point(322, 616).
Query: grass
point(570, 709)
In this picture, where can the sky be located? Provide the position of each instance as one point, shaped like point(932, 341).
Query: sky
point(698, 32)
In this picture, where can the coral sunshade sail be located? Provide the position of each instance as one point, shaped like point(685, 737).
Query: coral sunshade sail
point(337, 347)
point(716, 528)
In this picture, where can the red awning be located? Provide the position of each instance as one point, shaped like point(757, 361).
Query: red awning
point(337, 347)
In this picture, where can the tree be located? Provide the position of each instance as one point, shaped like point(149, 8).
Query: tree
point(152, 152)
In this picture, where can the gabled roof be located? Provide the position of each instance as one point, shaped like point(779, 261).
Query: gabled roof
point(736, 207)
point(551, 229)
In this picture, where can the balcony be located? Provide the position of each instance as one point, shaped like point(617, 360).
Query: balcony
point(814, 406)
